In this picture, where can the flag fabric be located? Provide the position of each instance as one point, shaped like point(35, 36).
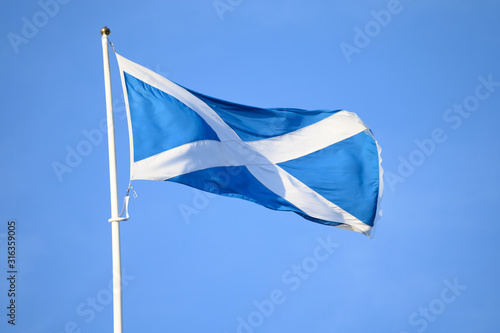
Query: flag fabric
point(324, 165)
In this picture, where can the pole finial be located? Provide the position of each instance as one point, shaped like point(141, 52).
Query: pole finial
point(105, 31)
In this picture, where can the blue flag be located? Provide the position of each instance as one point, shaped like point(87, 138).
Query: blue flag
point(323, 165)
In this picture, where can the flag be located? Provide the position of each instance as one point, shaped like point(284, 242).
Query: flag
point(323, 165)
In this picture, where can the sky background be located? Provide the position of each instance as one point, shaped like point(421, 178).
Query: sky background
point(423, 75)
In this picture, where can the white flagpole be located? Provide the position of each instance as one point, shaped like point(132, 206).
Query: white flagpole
point(115, 219)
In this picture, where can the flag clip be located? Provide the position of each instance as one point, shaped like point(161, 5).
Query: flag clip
point(125, 206)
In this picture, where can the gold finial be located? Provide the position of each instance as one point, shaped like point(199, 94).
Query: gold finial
point(105, 31)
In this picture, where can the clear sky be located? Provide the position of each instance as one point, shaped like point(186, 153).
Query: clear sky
point(424, 75)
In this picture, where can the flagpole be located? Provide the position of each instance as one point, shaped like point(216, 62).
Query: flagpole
point(115, 219)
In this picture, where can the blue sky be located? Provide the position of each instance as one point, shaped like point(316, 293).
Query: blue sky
point(424, 75)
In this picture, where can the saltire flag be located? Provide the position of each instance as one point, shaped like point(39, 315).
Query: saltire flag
point(323, 165)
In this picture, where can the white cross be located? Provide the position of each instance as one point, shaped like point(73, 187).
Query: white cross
point(260, 157)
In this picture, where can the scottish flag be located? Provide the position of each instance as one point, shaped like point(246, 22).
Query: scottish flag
point(323, 165)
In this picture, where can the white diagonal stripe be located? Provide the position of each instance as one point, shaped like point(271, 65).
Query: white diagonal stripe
point(310, 202)
point(223, 131)
point(196, 156)
point(333, 129)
